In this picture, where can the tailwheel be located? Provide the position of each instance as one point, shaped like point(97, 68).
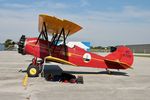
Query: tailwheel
point(108, 71)
point(33, 71)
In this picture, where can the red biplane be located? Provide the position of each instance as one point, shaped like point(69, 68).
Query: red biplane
point(48, 50)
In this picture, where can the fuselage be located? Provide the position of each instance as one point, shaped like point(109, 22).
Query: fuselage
point(75, 55)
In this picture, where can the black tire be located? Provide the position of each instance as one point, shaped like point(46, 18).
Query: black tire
point(33, 71)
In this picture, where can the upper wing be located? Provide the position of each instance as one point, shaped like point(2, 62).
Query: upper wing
point(55, 25)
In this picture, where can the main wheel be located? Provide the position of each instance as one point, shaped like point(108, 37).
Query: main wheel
point(33, 71)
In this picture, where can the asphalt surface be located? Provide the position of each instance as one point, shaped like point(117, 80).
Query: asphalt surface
point(131, 84)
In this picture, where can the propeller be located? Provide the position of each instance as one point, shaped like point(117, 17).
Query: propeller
point(21, 44)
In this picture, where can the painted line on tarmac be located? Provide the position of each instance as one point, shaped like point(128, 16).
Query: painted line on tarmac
point(25, 81)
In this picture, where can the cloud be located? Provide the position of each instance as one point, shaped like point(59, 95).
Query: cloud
point(84, 3)
point(127, 14)
point(51, 5)
point(39, 5)
point(116, 27)
point(134, 12)
point(15, 5)
point(60, 6)
point(99, 27)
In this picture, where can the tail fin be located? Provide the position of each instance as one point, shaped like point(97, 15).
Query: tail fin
point(121, 58)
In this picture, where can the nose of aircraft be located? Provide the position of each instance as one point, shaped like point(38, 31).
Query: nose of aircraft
point(21, 44)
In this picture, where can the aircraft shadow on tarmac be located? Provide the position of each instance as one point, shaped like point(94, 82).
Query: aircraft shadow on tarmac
point(116, 73)
point(58, 69)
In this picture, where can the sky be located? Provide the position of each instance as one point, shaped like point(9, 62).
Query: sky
point(104, 22)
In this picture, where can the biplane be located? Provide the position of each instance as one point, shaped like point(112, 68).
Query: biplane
point(47, 49)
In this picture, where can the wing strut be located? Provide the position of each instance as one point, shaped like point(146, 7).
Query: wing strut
point(56, 37)
point(43, 33)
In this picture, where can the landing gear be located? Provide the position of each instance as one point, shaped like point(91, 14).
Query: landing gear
point(108, 71)
point(34, 69)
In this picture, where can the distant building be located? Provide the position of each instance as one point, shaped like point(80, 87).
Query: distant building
point(1, 47)
point(140, 48)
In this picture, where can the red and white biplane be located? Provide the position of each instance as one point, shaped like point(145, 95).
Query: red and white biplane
point(48, 50)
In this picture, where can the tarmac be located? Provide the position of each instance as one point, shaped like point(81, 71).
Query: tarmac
point(131, 84)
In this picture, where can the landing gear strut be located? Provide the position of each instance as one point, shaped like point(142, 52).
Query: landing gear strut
point(108, 71)
point(34, 69)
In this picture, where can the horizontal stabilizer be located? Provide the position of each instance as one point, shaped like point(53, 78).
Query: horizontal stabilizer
point(121, 58)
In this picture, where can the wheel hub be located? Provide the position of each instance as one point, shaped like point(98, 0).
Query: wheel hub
point(33, 71)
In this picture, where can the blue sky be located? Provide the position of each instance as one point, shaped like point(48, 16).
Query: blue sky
point(104, 22)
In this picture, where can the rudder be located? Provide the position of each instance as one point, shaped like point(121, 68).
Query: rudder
point(121, 58)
